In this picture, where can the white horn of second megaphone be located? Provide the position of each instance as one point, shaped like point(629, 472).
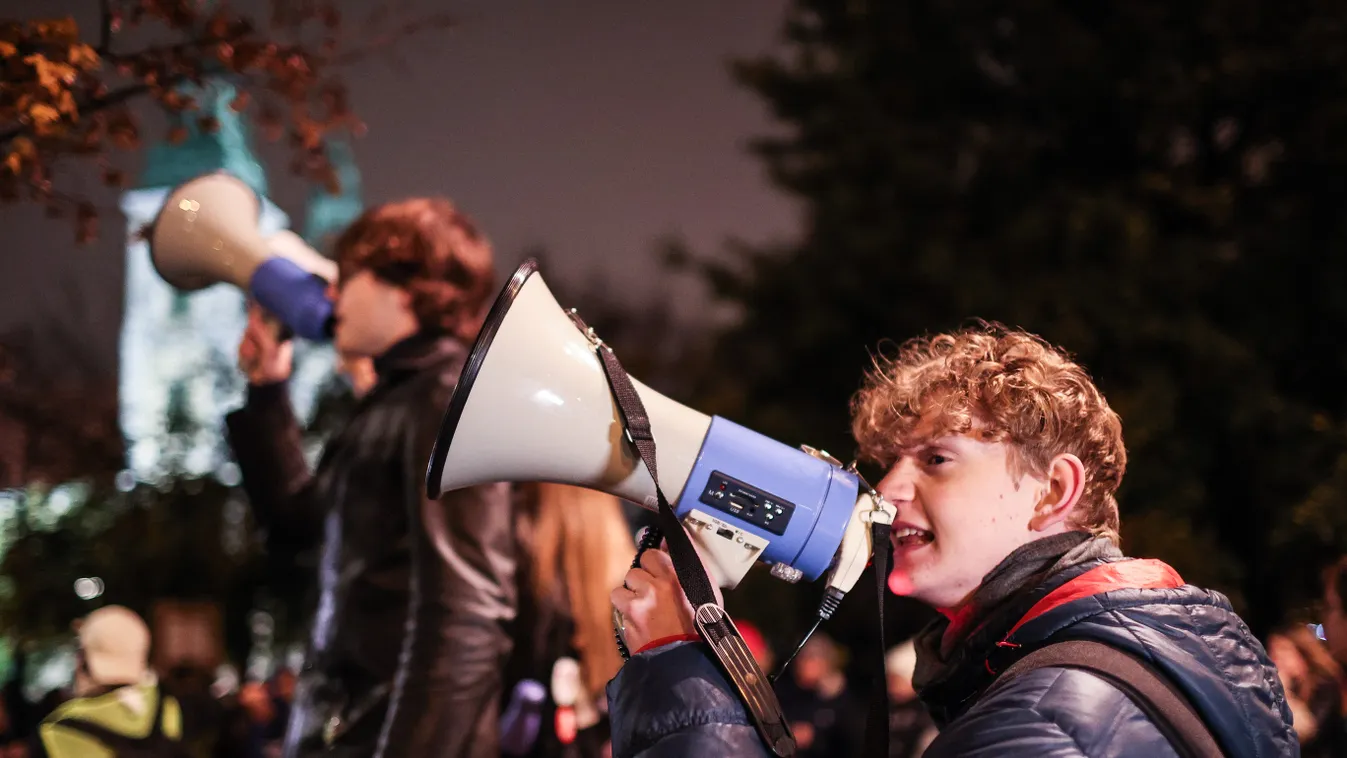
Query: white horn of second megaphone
point(207, 232)
point(533, 404)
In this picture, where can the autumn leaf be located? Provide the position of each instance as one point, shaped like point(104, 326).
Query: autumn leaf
point(43, 116)
point(81, 56)
point(51, 75)
point(23, 147)
point(66, 104)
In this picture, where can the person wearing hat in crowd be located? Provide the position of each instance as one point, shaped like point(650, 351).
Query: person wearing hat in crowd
point(911, 728)
point(118, 706)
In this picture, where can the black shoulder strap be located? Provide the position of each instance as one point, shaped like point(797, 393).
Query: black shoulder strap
point(116, 741)
point(1165, 706)
point(157, 728)
point(97, 731)
point(714, 624)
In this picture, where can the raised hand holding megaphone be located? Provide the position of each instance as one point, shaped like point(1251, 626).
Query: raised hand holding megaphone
point(541, 398)
point(207, 232)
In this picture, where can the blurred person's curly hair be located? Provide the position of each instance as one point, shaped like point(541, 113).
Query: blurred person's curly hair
point(1003, 385)
point(431, 249)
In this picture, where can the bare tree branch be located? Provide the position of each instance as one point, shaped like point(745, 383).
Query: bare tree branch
point(105, 28)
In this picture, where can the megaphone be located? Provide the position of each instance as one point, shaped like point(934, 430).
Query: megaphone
point(533, 404)
point(207, 232)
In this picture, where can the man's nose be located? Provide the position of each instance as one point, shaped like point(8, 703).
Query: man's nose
point(899, 484)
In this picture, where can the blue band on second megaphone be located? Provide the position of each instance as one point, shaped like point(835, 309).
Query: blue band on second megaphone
point(818, 496)
point(295, 296)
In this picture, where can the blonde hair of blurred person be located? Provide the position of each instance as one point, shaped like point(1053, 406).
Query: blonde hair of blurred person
point(579, 542)
point(114, 688)
point(573, 546)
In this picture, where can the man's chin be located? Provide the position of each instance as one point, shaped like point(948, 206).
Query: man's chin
point(900, 583)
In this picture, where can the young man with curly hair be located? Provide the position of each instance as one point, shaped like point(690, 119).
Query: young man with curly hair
point(416, 596)
point(1002, 459)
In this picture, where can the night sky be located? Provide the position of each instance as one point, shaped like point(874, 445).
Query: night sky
point(590, 127)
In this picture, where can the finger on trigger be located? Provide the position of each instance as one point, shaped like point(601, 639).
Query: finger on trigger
point(621, 599)
point(658, 563)
point(638, 580)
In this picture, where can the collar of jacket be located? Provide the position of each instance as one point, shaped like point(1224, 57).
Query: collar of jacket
point(415, 353)
point(1008, 633)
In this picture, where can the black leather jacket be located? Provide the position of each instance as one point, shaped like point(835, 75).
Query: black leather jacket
point(416, 597)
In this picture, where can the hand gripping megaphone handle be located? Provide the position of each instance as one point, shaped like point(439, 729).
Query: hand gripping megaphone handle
point(650, 539)
point(712, 621)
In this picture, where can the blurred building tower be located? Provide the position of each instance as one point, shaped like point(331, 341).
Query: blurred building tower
point(177, 352)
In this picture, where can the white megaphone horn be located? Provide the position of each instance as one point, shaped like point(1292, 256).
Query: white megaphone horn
point(533, 404)
point(207, 232)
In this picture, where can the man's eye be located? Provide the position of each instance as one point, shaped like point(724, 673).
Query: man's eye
point(935, 459)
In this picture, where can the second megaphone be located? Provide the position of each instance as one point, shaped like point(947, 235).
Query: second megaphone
point(207, 232)
point(534, 404)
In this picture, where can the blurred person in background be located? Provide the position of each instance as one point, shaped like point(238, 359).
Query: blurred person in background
point(1313, 684)
point(10, 724)
point(1335, 610)
point(826, 718)
point(416, 597)
point(204, 715)
point(119, 707)
point(911, 728)
point(574, 544)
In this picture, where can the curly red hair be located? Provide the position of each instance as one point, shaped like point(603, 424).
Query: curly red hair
point(433, 250)
point(1013, 387)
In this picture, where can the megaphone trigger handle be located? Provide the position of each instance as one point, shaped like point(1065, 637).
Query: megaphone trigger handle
point(649, 538)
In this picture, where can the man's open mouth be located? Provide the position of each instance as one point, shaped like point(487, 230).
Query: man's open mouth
point(910, 536)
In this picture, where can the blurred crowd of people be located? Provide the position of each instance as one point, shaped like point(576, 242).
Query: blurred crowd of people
point(198, 713)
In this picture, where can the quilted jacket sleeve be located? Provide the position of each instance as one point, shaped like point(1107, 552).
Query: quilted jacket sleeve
point(674, 701)
point(1062, 713)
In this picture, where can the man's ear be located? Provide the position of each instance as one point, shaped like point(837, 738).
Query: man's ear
point(1066, 483)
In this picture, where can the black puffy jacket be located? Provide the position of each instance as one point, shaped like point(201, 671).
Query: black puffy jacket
point(674, 701)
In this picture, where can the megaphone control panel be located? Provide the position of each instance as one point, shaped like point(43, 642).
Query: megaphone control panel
point(748, 503)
